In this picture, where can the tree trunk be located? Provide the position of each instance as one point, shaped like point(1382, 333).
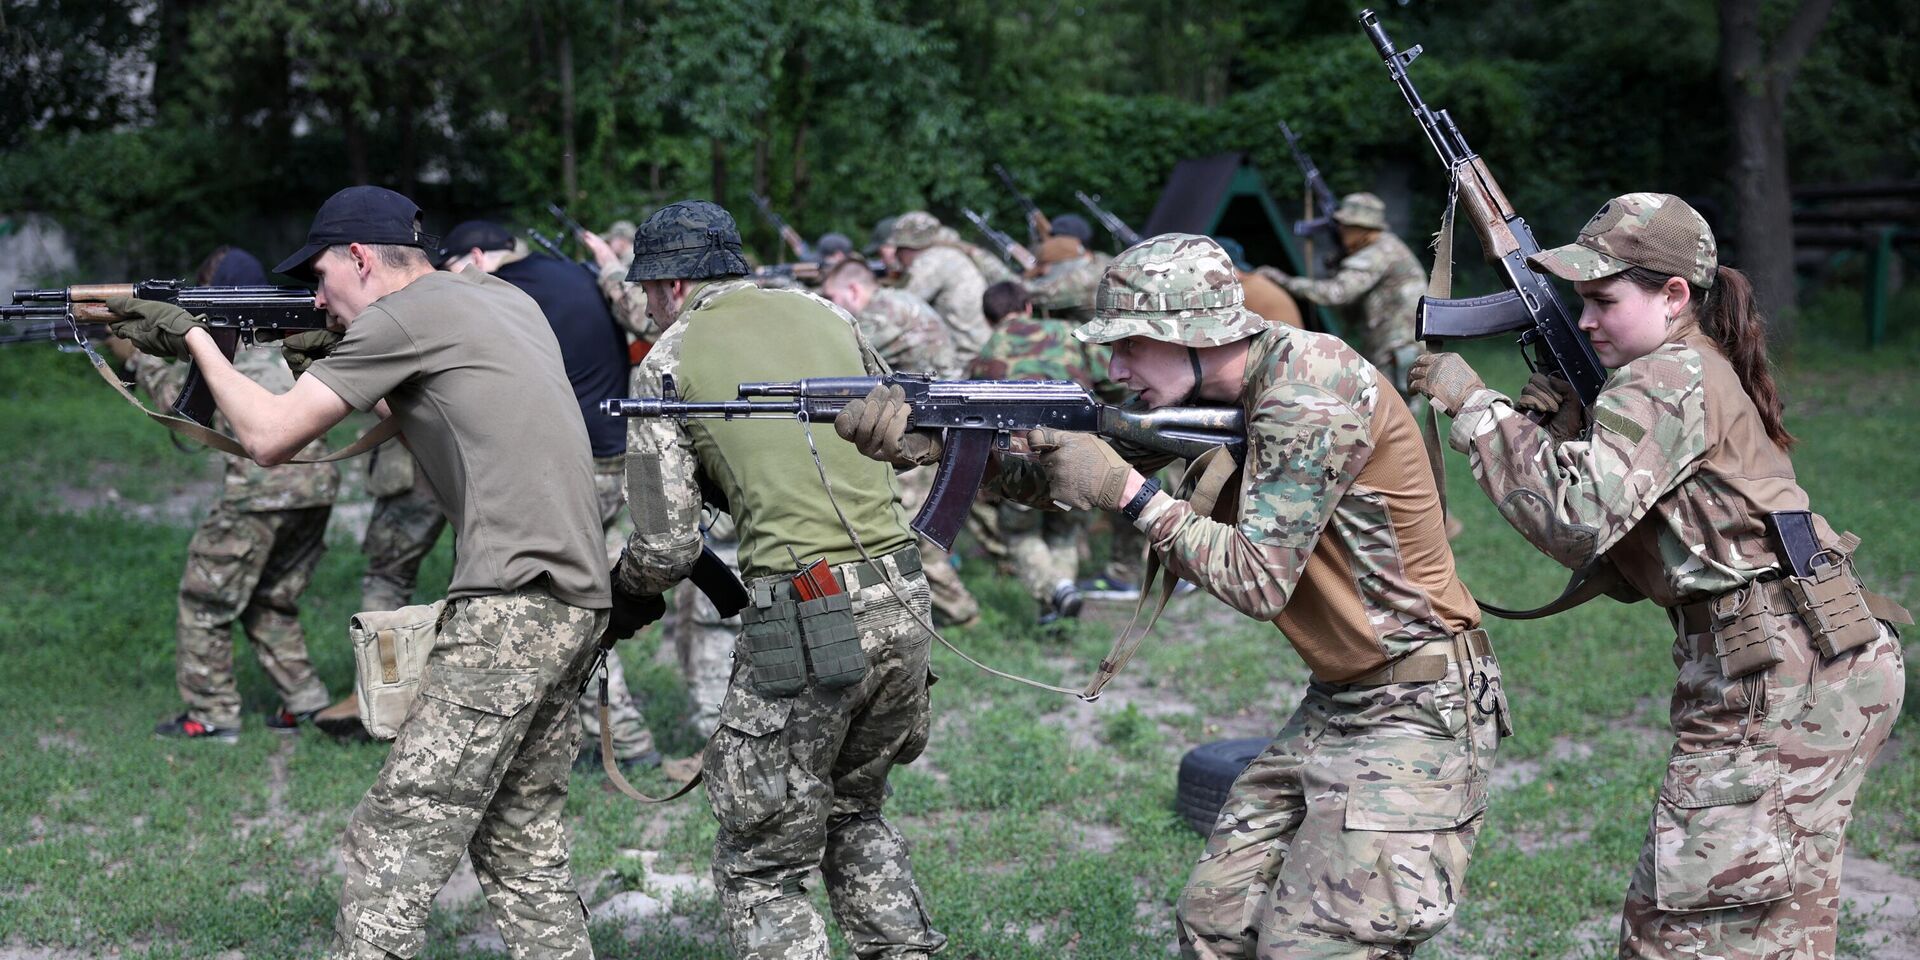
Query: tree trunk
point(803, 108)
point(569, 169)
point(1755, 77)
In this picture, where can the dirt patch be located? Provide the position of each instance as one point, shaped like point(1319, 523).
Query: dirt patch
point(182, 507)
point(1886, 902)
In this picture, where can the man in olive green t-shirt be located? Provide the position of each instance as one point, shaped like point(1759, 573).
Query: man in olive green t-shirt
point(470, 370)
point(831, 724)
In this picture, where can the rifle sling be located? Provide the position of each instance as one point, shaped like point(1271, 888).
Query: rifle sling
point(376, 435)
point(1586, 583)
point(1205, 478)
point(612, 766)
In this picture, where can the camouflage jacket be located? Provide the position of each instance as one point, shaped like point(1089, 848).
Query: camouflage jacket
point(992, 268)
point(909, 334)
point(948, 279)
point(1671, 481)
point(627, 303)
point(248, 486)
point(1337, 536)
point(1066, 289)
point(1036, 348)
point(1378, 286)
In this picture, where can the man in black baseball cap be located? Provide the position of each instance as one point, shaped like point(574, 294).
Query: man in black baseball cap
point(471, 238)
point(373, 216)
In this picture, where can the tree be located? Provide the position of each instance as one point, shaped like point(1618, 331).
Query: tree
point(1755, 77)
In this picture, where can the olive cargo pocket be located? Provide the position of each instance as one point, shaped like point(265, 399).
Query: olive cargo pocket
point(833, 642)
point(770, 640)
point(1719, 832)
point(746, 760)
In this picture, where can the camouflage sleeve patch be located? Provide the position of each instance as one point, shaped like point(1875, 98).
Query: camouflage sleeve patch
point(1305, 446)
point(1575, 500)
point(663, 492)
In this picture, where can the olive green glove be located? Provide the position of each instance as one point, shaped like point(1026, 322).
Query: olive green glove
point(153, 326)
point(1445, 378)
point(1082, 471)
point(1559, 407)
point(876, 425)
point(303, 348)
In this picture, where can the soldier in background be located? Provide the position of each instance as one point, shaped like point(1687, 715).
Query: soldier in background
point(251, 557)
point(1043, 545)
point(910, 336)
point(1377, 287)
point(832, 248)
point(1264, 297)
point(941, 272)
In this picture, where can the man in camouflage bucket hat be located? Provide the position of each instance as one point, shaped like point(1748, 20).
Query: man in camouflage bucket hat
point(940, 270)
point(797, 771)
point(1350, 835)
point(1377, 286)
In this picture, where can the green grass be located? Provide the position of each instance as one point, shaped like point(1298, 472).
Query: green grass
point(1041, 827)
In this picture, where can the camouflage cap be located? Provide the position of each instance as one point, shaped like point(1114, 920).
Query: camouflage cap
point(1361, 210)
point(1657, 231)
point(688, 240)
point(914, 230)
point(1175, 287)
point(621, 228)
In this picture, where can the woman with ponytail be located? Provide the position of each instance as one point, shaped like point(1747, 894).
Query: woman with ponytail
point(1678, 481)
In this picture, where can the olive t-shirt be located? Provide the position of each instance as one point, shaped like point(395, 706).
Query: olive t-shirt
point(471, 370)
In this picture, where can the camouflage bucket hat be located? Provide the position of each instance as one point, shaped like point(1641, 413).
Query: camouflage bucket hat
point(688, 240)
point(1657, 231)
point(1361, 210)
point(1175, 287)
point(915, 230)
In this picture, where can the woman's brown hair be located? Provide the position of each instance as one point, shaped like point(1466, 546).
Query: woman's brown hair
point(1728, 314)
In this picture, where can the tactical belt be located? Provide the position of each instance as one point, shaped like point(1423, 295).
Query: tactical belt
point(1426, 667)
point(857, 575)
point(1697, 617)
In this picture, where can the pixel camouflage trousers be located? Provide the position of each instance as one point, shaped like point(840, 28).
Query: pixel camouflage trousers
point(798, 782)
point(1349, 836)
point(480, 765)
point(1743, 855)
point(249, 567)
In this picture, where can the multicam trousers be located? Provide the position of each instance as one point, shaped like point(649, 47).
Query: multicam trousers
point(400, 534)
point(1349, 836)
point(480, 765)
point(250, 567)
point(798, 782)
point(1044, 546)
point(1743, 856)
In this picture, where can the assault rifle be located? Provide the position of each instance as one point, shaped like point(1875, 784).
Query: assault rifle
point(233, 315)
point(978, 417)
point(1116, 226)
point(1549, 339)
point(552, 247)
point(1002, 244)
point(1032, 210)
point(795, 242)
point(1320, 227)
point(572, 226)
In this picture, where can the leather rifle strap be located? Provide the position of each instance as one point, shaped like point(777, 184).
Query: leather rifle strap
point(612, 766)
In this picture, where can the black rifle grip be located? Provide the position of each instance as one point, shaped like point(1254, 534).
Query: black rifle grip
point(196, 400)
point(954, 487)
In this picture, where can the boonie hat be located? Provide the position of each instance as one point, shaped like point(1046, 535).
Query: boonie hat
point(1657, 231)
point(915, 230)
point(1175, 287)
point(362, 214)
point(688, 240)
point(1362, 210)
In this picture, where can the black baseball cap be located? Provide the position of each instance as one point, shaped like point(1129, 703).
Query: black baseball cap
point(481, 234)
point(359, 215)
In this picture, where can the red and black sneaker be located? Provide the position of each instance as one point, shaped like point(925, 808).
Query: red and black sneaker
point(287, 721)
point(187, 728)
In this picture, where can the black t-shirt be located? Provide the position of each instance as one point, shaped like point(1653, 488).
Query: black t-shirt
point(593, 346)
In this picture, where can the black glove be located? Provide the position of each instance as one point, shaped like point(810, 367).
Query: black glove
point(632, 612)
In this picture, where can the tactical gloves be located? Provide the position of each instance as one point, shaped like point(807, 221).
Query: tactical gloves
point(1082, 471)
point(1445, 378)
point(153, 326)
point(303, 348)
point(632, 612)
point(876, 425)
point(1558, 406)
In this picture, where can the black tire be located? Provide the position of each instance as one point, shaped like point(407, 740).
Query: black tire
point(1206, 773)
